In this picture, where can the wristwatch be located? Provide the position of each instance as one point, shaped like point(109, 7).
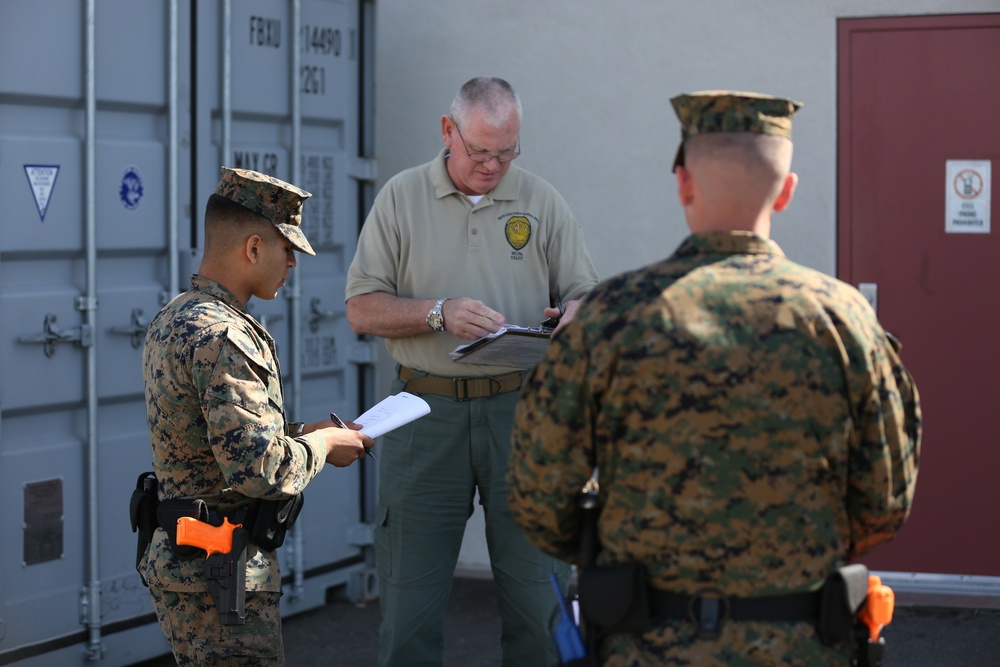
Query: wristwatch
point(435, 318)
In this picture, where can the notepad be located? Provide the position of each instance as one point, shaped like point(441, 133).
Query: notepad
point(519, 347)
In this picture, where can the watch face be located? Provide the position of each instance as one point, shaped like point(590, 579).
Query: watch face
point(435, 318)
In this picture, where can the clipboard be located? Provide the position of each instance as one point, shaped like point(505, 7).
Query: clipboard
point(519, 347)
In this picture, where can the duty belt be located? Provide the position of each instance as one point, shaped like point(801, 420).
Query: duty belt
point(459, 388)
point(709, 608)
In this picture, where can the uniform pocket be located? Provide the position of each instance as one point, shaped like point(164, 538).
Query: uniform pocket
point(265, 645)
point(245, 376)
point(383, 543)
point(259, 637)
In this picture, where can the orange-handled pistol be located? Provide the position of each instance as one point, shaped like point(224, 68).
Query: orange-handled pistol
point(225, 563)
point(213, 539)
point(878, 608)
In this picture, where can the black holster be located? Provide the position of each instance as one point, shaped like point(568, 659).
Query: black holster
point(843, 595)
point(226, 576)
point(142, 514)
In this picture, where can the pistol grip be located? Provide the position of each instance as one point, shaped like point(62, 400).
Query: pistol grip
point(214, 540)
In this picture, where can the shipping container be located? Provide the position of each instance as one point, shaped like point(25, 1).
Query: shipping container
point(115, 118)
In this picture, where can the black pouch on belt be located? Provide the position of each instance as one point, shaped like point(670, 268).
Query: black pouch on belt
point(174, 508)
point(142, 514)
point(615, 598)
point(269, 520)
point(843, 594)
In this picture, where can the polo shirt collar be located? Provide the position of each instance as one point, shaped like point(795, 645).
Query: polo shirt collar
point(506, 189)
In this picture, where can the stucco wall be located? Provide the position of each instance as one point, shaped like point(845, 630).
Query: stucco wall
point(595, 78)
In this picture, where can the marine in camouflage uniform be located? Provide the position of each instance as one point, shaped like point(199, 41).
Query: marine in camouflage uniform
point(218, 433)
point(752, 424)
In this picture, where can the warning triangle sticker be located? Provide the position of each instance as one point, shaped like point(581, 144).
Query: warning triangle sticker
point(42, 179)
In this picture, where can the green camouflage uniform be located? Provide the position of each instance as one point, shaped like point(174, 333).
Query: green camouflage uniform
point(753, 427)
point(218, 433)
point(214, 397)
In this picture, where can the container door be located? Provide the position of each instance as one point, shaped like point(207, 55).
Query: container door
point(918, 100)
point(313, 143)
point(46, 253)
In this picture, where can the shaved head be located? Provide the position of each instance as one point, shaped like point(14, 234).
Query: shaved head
point(739, 166)
point(228, 224)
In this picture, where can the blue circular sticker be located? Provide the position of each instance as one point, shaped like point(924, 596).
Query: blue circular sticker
point(131, 189)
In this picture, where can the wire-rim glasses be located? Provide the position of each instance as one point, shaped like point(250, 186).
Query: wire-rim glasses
point(486, 157)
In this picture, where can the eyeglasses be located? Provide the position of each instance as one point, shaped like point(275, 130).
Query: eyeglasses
point(486, 157)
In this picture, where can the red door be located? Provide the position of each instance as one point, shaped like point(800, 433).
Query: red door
point(914, 93)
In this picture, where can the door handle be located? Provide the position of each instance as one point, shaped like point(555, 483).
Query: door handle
point(136, 329)
point(51, 335)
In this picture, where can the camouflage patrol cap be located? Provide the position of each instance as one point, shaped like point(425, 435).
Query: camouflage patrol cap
point(276, 200)
point(727, 111)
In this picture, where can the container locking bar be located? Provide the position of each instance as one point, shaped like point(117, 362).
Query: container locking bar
point(317, 314)
point(136, 329)
point(51, 334)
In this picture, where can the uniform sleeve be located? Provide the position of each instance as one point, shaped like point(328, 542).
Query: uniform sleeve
point(552, 453)
point(884, 461)
point(241, 401)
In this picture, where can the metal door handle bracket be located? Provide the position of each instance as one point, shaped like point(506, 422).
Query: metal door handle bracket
point(318, 314)
point(136, 329)
point(82, 335)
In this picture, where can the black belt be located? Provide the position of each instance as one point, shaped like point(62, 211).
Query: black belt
point(459, 388)
point(710, 608)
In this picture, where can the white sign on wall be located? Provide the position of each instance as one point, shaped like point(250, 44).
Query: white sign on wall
point(967, 197)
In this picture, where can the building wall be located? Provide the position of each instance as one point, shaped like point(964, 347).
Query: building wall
point(596, 77)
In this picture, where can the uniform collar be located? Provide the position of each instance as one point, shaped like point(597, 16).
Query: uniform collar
point(212, 288)
point(506, 189)
point(728, 243)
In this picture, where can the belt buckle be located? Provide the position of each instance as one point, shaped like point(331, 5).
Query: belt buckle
point(713, 608)
point(461, 387)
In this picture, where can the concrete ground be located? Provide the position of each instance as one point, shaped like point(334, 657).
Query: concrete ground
point(341, 634)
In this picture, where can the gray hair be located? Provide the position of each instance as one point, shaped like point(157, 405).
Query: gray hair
point(493, 97)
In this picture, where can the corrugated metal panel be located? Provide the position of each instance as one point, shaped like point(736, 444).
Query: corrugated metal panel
point(135, 150)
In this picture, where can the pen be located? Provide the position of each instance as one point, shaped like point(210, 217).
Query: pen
point(340, 422)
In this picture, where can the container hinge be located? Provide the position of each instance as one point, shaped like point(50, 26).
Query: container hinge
point(363, 169)
point(86, 303)
point(51, 335)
